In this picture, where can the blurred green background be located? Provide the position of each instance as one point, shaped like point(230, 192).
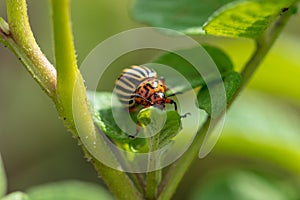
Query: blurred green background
point(257, 156)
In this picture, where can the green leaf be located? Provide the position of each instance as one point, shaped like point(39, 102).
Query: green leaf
point(166, 123)
point(2, 179)
point(231, 83)
point(69, 190)
point(213, 17)
point(246, 18)
point(152, 120)
point(16, 196)
point(170, 129)
point(176, 14)
point(186, 69)
point(221, 59)
point(103, 114)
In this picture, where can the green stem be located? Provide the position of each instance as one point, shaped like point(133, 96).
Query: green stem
point(179, 168)
point(139, 181)
point(69, 83)
point(19, 38)
point(66, 64)
point(153, 178)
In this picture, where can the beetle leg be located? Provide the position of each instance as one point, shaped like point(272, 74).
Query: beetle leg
point(138, 128)
point(185, 115)
point(171, 101)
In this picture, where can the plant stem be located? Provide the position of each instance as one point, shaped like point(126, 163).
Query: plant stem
point(179, 168)
point(139, 181)
point(69, 83)
point(153, 178)
point(66, 64)
point(19, 38)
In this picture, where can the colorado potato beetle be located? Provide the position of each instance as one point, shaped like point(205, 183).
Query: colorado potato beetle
point(139, 85)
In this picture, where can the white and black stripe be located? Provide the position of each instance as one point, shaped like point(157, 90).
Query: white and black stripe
point(129, 81)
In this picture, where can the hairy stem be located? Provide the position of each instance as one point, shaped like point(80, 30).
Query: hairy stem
point(19, 38)
point(153, 178)
point(66, 64)
point(179, 168)
point(70, 83)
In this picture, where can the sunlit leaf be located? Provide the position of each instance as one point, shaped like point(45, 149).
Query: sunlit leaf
point(246, 18)
point(69, 190)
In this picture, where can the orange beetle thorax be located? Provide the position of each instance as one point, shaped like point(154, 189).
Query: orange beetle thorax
point(151, 92)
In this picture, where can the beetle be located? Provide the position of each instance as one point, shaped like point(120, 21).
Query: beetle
point(139, 85)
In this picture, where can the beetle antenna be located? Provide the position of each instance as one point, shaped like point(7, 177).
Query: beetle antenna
point(173, 94)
